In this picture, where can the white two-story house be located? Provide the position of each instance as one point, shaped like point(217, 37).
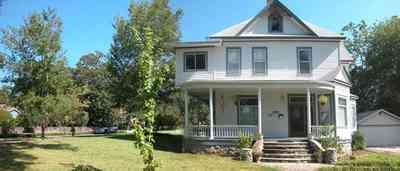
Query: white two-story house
point(274, 74)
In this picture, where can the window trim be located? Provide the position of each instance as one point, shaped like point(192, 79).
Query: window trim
point(354, 117)
point(299, 62)
point(270, 23)
point(195, 53)
point(240, 62)
point(253, 61)
point(346, 124)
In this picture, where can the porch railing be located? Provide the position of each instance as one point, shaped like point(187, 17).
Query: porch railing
point(322, 131)
point(222, 131)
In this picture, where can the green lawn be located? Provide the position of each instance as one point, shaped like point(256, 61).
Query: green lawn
point(114, 152)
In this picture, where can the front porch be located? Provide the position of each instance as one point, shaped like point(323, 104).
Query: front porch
point(279, 112)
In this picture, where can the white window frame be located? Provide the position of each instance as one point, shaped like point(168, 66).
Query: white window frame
point(265, 62)
point(309, 61)
point(280, 17)
point(195, 59)
point(228, 72)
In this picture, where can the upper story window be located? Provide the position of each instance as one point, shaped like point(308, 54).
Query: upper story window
point(233, 60)
point(275, 23)
point(195, 61)
point(260, 60)
point(304, 59)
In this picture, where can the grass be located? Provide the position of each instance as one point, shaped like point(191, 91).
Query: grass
point(113, 152)
point(365, 160)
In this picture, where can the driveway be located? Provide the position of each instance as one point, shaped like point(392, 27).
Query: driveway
point(394, 149)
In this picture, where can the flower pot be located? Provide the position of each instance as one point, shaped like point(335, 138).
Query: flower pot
point(245, 154)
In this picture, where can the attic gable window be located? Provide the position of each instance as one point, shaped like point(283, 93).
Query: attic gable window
point(275, 23)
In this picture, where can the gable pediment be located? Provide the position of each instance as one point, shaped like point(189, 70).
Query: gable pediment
point(261, 23)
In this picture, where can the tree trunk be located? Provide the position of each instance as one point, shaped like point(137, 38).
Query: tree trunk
point(73, 131)
point(43, 130)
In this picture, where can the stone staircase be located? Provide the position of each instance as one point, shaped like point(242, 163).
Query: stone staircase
point(287, 150)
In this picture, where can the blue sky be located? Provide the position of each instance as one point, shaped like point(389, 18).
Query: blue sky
point(88, 23)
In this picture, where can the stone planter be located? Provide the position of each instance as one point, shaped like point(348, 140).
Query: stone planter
point(331, 156)
point(246, 155)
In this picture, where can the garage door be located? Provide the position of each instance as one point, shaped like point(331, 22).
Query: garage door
point(380, 136)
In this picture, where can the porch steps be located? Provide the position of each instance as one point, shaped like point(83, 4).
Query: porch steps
point(289, 150)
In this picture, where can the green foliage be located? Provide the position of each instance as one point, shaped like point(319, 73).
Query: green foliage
point(92, 73)
point(358, 141)
point(244, 141)
point(7, 122)
point(367, 165)
point(331, 142)
point(257, 136)
point(376, 74)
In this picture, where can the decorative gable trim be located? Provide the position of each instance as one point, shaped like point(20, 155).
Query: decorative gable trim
point(284, 8)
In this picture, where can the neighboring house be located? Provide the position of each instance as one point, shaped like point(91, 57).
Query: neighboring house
point(273, 74)
point(380, 128)
point(13, 111)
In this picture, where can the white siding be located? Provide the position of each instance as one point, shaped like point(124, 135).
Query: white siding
point(260, 27)
point(344, 133)
point(282, 61)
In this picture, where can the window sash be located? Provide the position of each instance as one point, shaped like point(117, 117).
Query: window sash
point(233, 60)
point(271, 29)
point(199, 61)
point(260, 60)
point(304, 60)
point(342, 105)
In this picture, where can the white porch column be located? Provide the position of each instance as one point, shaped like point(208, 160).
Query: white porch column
point(316, 109)
point(186, 112)
point(211, 114)
point(259, 111)
point(308, 112)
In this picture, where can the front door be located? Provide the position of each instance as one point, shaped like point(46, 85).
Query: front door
point(298, 116)
point(248, 109)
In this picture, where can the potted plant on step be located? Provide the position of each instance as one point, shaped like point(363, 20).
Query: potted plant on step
point(244, 145)
point(258, 147)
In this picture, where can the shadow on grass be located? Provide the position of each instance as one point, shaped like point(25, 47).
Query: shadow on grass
point(163, 142)
point(13, 157)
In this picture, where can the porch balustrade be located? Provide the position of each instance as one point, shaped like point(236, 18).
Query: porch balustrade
point(222, 131)
point(322, 131)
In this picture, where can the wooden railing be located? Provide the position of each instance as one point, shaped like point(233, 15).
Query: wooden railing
point(234, 131)
point(322, 131)
point(222, 131)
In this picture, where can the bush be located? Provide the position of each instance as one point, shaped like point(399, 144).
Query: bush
point(244, 141)
point(7, 122)
point(167, 122)
point(331, 142)
point(358, 141)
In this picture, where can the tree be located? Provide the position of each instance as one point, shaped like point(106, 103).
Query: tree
point(136, 65)
point(376, 74)
point(35, 65)
point(92, 73)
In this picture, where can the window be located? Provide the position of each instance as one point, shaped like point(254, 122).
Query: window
point(248, 110)
point(275, 23)
point(260, 58)
point(304, 59)
point(354, 112)
point(342, 113)
point(233, 58)
point(195, 61)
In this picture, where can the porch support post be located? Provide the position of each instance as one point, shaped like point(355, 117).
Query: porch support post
point(186, 112)
point(211, 114)
point(259, 111)
point(316, 109)
point(308, 112)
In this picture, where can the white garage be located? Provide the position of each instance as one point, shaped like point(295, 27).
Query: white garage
point(380, 128)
